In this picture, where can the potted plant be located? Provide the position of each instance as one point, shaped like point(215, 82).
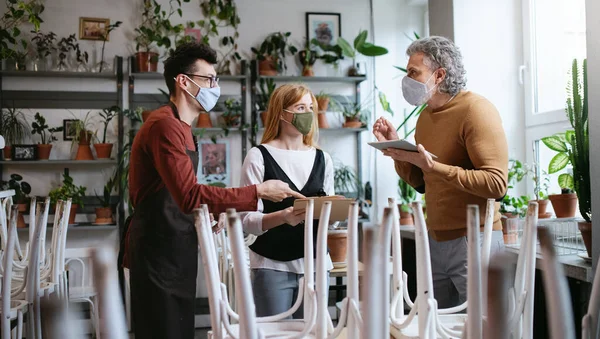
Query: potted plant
point(44, 47)
point(40, 127)
point(361, 46)
point(329, 54)
point(104, 149)
point(272, 52)
point(17, 13)
point(542, 183)
point(82, 58)
point(65, 47)
point(68, 190)
point(233, 113)
point(14, 129)
point(104, 215)
point(266, 87)
point(565, 203)
point(346, 182)
point(323, 104)
point(407, 195)
point(307, 58)
point(355, 114)
point(513, 206)
point(221, 14)
point(105, 35)
point(21, 198)
point(82, 135)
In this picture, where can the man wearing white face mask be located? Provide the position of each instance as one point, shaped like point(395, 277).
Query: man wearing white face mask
point(161, 247)
point(465, 131)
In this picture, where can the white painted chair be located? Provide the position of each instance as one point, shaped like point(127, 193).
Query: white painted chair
point(11, 309)
point(83, 291)
point(273, 325)
point(557, 293)
point(499, 280)
point(589, 323)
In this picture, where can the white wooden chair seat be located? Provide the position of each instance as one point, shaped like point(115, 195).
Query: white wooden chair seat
point(15, 307)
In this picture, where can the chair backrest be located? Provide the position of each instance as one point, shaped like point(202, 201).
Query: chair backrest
point(499, 281)
point(353, 330)
point(7, 277)
point(322, 287)
point(248, 328)
point(474, 320)
point(376, 252)
point(110, 304)
point(589, 323)
point(5, 205)
point(559, 311)
point(486, 248)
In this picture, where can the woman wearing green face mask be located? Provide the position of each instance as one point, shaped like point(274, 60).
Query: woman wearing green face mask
point(288, 152)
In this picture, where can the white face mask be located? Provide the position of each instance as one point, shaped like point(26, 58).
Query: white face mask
point(416, 93)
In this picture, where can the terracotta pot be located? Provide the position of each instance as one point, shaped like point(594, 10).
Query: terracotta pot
point(85, 137)
point(73, 213)
point(231, 120)
point(7, 152)
point(145, 115)
point(542, 205)
point(204, 121)
point(323, 103)
point(103, 151)
point(104, 215)
point(565, 205)
point(22, 208)
point(311, 60)
point(268, 67)
point(586, 233)
point(307, 71)
point(337, 242)
point(263, 118)
point(84, 152)
point(44, 151)
point(146, 61)
point(322, 119)
point(353, 123)
point(353, 71)
point(406, 218)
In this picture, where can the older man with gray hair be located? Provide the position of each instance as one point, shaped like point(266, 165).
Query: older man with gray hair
point(465, 131)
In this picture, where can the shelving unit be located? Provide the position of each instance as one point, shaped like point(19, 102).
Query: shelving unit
point(38, 99)
point(150, 101)
point(323, 132)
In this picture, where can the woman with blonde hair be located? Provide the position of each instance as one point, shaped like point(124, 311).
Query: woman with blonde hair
point(288, 152)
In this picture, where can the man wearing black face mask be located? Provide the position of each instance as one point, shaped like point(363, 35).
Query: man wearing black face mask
point(161, 243)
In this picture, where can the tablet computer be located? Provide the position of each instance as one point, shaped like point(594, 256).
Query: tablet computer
point(399, 144)
point(339, 206)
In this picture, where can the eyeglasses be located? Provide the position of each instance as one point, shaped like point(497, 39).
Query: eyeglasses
point(214, 81)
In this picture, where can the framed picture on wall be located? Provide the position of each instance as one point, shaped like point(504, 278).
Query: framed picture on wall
point(214, 166)
point(325, 27)
point(93, 28)
point(68, 129)
point(25, 152)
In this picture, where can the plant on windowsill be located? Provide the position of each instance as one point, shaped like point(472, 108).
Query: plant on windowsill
point(565, 203)
point(82, 135)
point(21, 198)
point(407, 195)
point(541, 186)
point(68, 190)
point(104, 149)
point(323, 104)
point(513, 206)
point(361, 46)
point(14, 128)
point(272, 52)
point(104, 215)
point(40, 127)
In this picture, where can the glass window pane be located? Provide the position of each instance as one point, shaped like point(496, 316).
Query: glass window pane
point(559, 37)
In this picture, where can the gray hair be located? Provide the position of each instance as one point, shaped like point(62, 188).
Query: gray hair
point(441, 52)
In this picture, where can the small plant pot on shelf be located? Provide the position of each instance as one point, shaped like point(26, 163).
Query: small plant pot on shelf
point(44, 151)
point(406, 218)
point(323, 103)
point(542, 205)
point(509, 238)
point(564, 205)
point(146, 61)
point(73, 213)
point(268, 67)
point(307, 71)
point(103, 151)
point(22, 208)
point(204, 120)
point(337, 242)
point(353, 123)
point(84, 152)
point(104, 216)
point(322, 119)
point(7, 152)
point(586, 233)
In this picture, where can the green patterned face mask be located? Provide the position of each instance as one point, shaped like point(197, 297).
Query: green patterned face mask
point(302, 121)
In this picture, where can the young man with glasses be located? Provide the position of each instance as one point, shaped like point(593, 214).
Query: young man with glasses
point(161, 244)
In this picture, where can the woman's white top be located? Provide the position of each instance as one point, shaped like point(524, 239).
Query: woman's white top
point(297, 165)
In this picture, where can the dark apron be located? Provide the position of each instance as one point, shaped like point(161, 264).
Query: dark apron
point(162, 255)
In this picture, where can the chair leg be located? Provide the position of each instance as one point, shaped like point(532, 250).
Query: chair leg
point(20, 325)
point(97, 312)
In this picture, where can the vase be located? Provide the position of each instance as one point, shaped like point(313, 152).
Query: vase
point(103, 216)
point(337, 243)
point(542, 205)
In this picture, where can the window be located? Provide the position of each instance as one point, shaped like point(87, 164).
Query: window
point(554, 36)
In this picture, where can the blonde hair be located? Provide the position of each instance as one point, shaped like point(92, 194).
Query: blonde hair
point(285, 96)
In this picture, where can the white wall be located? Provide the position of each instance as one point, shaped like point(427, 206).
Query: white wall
point(593, 57)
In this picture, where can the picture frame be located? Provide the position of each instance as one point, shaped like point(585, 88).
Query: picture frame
point(68, 130)
point(325, 27)
point(214, 165)
point(93, 28)
point(25, 152)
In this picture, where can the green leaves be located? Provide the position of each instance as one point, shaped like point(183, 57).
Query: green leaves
point(385, 103)
point(360, 46)
point(347, 50)
point(555, 143)
point(558, 162)
point(565, 180)
point(368, 49)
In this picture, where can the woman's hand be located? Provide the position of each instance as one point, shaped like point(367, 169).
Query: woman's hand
point(293, 217)
point(384, 130)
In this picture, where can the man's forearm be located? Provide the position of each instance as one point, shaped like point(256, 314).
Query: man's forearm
point(410, 173)
point(488, 182)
